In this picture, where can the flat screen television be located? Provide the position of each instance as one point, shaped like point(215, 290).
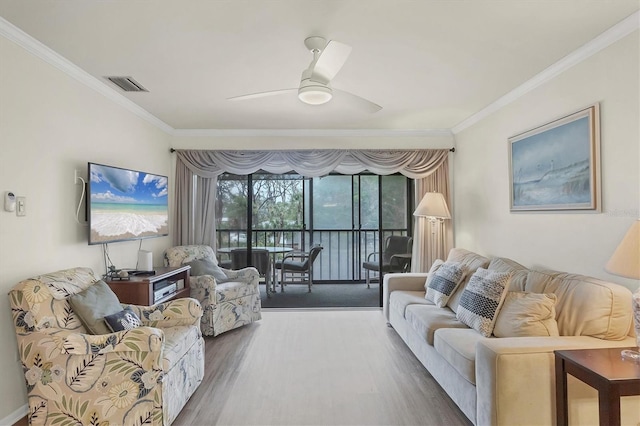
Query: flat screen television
point(125, 204)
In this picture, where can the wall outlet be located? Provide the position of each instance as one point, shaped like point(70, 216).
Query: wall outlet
point(76, 176)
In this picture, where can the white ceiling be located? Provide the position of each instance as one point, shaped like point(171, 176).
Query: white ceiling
point(430, 64)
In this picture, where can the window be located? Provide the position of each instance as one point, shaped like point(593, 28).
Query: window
point(347, 215)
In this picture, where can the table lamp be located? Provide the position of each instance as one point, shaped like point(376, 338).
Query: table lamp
point(626, 263)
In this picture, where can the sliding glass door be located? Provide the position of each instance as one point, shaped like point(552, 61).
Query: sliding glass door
point(350, 216)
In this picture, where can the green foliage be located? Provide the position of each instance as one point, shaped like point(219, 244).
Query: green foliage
point(339, 202)
point(276, 201)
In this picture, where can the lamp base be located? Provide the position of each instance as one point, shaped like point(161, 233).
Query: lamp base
point(631, 355)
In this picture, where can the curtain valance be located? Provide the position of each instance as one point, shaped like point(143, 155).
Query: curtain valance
point(414, 164)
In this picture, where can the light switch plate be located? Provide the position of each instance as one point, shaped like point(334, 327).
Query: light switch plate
point(21, 206)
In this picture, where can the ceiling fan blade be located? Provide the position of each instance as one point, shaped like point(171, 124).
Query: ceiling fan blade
point(361, 103)
point(331, 60)
point(262, 94)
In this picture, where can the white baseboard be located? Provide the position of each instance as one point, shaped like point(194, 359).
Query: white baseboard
point(15, 416)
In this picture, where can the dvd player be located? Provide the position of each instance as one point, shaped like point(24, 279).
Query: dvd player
point(163, 289)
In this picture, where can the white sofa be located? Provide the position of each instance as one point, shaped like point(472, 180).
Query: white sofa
point(510, 380)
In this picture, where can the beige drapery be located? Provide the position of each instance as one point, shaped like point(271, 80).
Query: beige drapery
point(432, 240)
point(197, 171)
point(194, 221)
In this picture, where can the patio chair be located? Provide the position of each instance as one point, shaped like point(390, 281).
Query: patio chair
point(259, 259)
point(393, 245)
point(298, 265)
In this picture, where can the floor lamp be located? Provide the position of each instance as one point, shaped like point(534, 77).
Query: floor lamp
point(433, 206)
point(626, 263)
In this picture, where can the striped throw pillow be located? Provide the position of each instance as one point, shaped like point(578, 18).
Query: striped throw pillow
point(443, 282)
point(482, 299)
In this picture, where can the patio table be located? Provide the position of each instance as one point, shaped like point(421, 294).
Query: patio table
point(273, 251)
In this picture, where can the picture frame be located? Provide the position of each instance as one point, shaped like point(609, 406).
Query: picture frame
point(556, 166)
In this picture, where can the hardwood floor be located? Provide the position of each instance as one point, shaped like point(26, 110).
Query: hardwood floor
point(316, 367)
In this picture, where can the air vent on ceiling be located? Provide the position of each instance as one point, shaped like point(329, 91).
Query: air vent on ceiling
point(128, 84)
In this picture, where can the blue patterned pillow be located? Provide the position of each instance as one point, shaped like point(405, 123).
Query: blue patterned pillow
point(126, 319)
point(482, 298)
point(432, 273)
point(443, 282)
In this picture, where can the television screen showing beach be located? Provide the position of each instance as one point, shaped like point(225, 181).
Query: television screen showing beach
point(126, 204)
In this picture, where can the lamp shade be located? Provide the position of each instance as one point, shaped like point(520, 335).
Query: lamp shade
point(626, 259)
point(433, 204)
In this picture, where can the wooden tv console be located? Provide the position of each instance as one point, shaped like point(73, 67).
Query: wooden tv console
point(141, 289)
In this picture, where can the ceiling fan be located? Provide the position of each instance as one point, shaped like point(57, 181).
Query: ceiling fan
point(315, 84)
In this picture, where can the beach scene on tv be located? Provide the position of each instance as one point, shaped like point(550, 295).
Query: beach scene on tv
point(126, 204)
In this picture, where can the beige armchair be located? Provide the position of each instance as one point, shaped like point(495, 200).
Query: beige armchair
point(134, 376)
point(229, 298)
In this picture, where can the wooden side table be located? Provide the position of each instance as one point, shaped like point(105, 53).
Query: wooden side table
point(603, 369)
point(141, 289)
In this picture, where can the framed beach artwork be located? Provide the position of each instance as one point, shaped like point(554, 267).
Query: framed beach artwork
point(556, 166)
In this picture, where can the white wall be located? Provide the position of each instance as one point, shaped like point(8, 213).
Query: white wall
point(50, 125)
point(574, 242)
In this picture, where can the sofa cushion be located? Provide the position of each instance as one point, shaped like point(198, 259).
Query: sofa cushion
point(519, 273)
point(426, 319)
point(527, 315)
point(93, 304)
point(586, 306)
point(400, 299)
point(481, 300)
point(443, 282)
point(471, 262)
point(458, 347)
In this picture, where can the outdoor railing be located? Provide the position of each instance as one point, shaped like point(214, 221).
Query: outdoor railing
point(340, 260)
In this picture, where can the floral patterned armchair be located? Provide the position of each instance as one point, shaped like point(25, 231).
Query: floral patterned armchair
point(144, 375)
point(229, 301)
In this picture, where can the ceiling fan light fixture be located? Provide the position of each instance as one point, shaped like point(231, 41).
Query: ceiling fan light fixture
point(315, 94)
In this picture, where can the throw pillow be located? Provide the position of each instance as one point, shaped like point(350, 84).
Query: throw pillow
point(436, 264)
point(527, 314)
point(126, 319)
point(445, 281)
point(482, 298)
point(93, 304)
point(207, 267)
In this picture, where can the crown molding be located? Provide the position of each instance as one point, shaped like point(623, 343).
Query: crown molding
point(33, 46)
point(604, 40)
point(320, 133)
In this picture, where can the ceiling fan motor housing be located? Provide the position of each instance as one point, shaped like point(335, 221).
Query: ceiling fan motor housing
point(313, 92)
